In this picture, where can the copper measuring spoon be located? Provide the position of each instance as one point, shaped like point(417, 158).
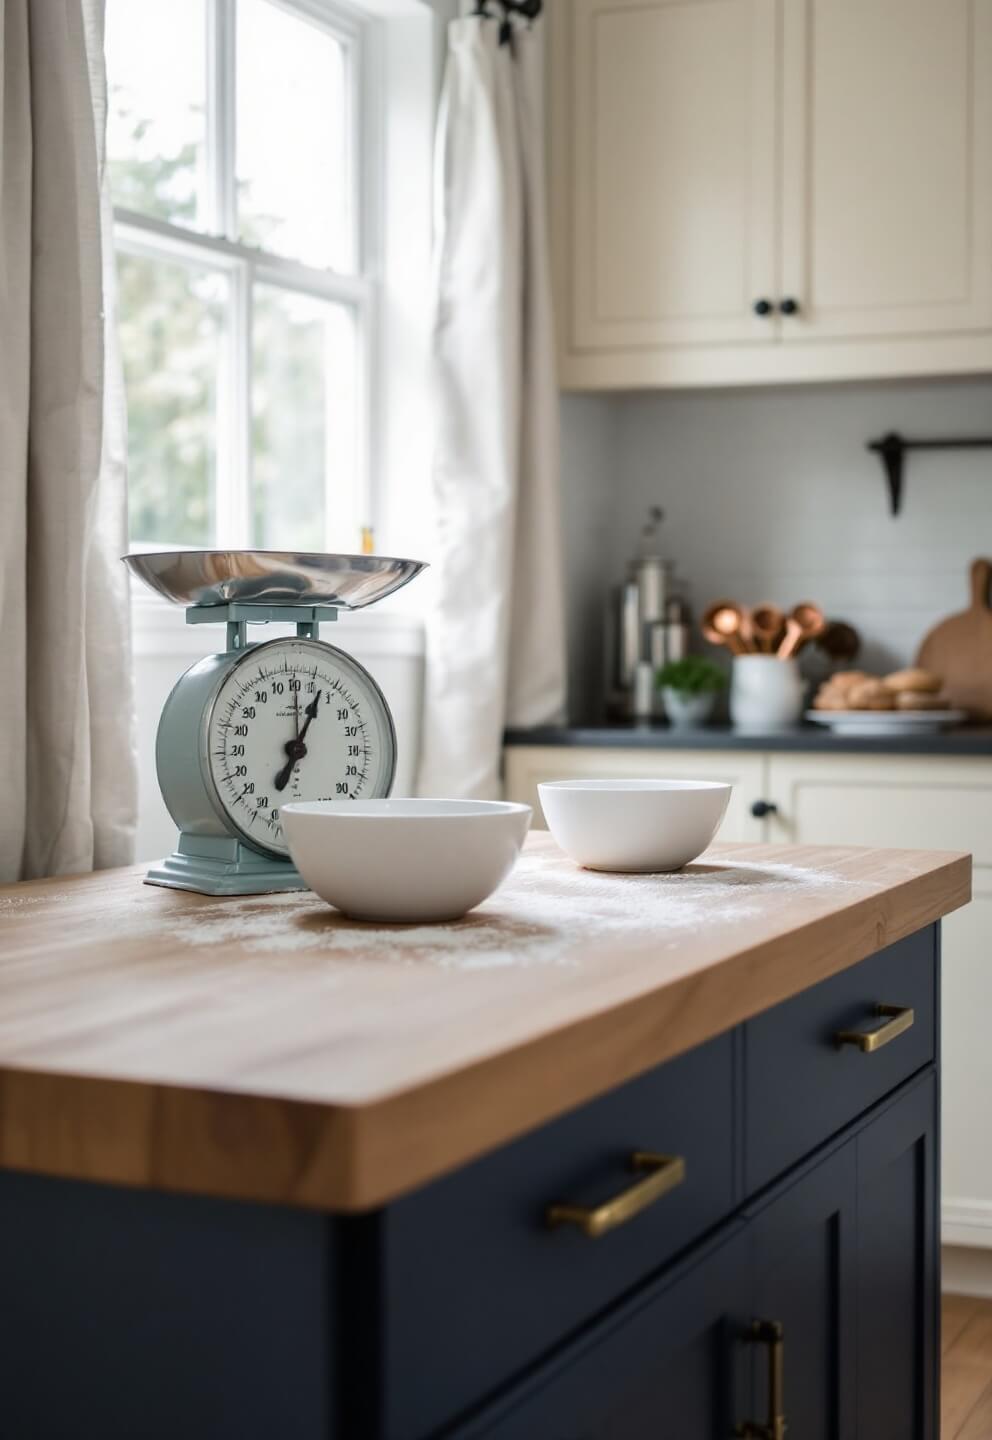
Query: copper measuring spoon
point(723, 624)
point(811, 618)
point(805, 623)
point(769, 627)
point(794, 636)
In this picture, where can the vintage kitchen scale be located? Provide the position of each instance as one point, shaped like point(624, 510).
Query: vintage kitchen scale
point(260, 724)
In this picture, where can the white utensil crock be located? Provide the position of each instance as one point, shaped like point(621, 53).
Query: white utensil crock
point(765, 693)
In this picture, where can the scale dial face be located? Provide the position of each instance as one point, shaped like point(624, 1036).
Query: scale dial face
point(295, 719)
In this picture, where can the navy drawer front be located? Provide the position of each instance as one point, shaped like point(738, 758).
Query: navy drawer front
point(664, 1365)
point(476, 1285)
point(801, 1087)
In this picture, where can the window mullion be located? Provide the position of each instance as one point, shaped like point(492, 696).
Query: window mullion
point(234, 527)
point(366, 440)
point(243, 478)
point(233, 512)
point(367, 158)
point(221, 101)
point(273, 269)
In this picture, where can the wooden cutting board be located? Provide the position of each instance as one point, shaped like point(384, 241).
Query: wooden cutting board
point(960, 649)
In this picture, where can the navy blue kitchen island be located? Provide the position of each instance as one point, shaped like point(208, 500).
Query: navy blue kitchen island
point(670, 1174)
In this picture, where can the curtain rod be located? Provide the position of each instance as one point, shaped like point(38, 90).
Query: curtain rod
point(892, 449)
point(529, 9)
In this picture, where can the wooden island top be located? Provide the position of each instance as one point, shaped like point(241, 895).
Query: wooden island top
point(266, 1048)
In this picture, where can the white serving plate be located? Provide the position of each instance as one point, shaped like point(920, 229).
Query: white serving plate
point(887, 722)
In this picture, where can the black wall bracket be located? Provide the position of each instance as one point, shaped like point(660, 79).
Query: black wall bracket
point(892, 449)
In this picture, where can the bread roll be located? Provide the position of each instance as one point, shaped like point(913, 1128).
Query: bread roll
point(846, 679)
point(924, 682)
point(871, 694)
point(920, 700)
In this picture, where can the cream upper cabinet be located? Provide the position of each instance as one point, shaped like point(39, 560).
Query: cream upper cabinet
point(887, 167)
point(830, 156)
point(673, 106)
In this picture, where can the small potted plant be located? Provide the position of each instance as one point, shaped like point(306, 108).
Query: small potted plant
point(689, 689)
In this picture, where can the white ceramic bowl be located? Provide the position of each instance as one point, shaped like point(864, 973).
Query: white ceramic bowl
point(636, 825)
point(404, 861)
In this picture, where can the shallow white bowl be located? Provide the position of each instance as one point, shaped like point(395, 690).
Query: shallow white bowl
point(404, 861)
point(636, 825)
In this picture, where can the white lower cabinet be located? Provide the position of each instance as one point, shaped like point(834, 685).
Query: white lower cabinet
point(916, 802)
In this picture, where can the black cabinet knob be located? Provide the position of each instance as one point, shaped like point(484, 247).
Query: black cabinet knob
point(761, 808)
point(788, 306)
point(763, 307)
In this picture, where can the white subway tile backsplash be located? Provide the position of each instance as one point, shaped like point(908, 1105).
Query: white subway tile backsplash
point(770, 494)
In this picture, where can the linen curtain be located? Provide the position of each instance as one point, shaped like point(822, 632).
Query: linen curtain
point(496, 638)
point(67, 761)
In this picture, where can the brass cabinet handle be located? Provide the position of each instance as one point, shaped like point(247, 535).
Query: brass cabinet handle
point(665, 1173)
point(869, 1040)
point(770, 1333)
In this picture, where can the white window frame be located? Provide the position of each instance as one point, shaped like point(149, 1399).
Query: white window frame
point(217, 247)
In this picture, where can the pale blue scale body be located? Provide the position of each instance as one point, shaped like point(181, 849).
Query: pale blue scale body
point(213, 856)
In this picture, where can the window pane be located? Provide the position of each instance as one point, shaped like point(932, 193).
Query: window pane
point(292, 126)
point(172, 320)
point(156, 120)
point(303, 423)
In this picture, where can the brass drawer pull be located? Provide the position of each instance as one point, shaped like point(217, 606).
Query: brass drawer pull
point(665, 1173)
point(869, 1040)
point(770, 1333)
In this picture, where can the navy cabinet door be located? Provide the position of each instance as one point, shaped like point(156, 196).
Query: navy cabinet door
point(897, 1271)
point(135, 1315)
point(803, 1255)
point(669, 1366)
point(838, 1262)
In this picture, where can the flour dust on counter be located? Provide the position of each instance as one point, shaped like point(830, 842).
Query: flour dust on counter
point(679, 901)
point(535, 933)
point(302, 925)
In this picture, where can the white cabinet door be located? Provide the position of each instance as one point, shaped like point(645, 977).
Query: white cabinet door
point(707, 154)
point(887, 167)
point(526, 766)
point(667, 123)
point(929, 804)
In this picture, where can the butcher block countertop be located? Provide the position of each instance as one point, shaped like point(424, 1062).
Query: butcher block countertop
point(266, 1048)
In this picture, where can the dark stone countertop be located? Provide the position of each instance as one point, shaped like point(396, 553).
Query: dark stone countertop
point(811, 739)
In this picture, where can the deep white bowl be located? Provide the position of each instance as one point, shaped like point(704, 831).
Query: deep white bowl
point(635, 825)
point(404, 861)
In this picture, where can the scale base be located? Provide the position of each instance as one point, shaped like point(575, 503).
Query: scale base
point(211, 865)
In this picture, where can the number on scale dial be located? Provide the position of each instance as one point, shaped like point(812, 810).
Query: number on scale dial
point(296, 720)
